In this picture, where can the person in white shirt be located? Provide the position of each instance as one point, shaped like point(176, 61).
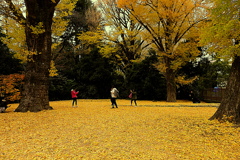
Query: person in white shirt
point(114, 94)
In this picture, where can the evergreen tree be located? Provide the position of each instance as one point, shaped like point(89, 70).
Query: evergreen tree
point(8, 63)
point(146, 80)
point(94, 76)
point(70, 51)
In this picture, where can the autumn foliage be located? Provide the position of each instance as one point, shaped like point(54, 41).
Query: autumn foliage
point(153, 130)
point(173, 29)
point(10, 86)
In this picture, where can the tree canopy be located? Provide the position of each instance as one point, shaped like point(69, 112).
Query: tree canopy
point(173, 27)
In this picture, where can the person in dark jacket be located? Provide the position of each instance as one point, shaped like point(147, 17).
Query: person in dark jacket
point(133, 97)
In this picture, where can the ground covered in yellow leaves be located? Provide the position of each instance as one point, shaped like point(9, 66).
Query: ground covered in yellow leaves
point(153, 130)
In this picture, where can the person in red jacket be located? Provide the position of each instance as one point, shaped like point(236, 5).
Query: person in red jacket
point(74, 94)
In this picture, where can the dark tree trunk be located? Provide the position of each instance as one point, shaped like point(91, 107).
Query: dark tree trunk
point(229, 109)
point(36, 83)
point(171, 85)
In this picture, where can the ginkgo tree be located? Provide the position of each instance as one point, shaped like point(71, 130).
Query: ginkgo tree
point(30, 25)
point(173, 28)
point(122, 33)
point(222, 36)
point(119, 34)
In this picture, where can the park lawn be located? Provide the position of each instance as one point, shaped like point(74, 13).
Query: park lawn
point(153, 130)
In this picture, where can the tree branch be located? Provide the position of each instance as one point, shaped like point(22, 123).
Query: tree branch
point(13, 12)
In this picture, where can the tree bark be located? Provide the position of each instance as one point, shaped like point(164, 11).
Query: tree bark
point(171, 85)
point(229, 109)
point(36, 83)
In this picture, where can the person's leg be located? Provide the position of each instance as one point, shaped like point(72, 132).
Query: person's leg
point(115, 102)
point(112, 100)
point(131, 101)
point(73, 102)
point(135, 101)
point(76, 101)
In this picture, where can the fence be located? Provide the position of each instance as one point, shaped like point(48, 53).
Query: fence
point(213, 94)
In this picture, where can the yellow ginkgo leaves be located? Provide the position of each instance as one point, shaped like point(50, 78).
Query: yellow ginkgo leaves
point(153, 130)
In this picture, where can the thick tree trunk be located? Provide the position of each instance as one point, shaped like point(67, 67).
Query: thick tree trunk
point(229, 109)
point(35, 90)
point(171, 85)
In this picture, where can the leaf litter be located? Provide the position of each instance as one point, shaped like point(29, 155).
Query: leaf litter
point(153, 130)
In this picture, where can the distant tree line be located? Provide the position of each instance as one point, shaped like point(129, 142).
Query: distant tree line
point(93, 76)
